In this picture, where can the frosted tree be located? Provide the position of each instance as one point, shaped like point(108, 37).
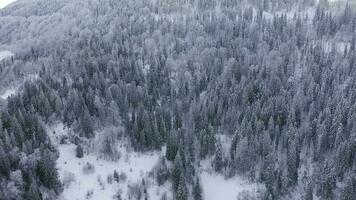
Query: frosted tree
point(182, 192)
point(197, 190)
point(218, 159)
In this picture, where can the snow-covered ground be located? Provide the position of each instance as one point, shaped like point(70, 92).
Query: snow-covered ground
point(216, 187)
point(135, 165)
point(4, 3)
point(8, 93)
point(5, 54)
point(15, 88)
point(332, 1)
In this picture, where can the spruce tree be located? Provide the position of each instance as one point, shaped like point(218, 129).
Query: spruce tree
point(79, 151)
point(182, 193)
point(33, 192)
point(218, 159)
point(177, 171)
point(197, 190)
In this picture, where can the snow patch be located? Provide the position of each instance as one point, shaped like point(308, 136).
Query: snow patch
point(5, 54)
point(4, 3)
point(215, 186)
point(15, 88)
point(7, 93)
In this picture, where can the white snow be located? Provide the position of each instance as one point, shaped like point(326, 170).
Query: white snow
point(146, 69)
point(135, 168)
point(135, 165)
point(215, 187)
point(4, 3)
point(5, 54)
point(15, 88)
point(55, 132)
point(330, 1)
point(7, 93)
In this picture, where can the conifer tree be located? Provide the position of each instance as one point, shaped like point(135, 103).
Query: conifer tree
point(197, 191)
point(218, 159)
point(182, 193)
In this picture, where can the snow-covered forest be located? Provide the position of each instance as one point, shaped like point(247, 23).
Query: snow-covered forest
point(178, 100)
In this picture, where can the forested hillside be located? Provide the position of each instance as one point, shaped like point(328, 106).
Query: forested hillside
point(260, 89)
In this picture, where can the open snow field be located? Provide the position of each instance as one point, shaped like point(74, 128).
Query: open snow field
point(94, 185)
point(136, 168)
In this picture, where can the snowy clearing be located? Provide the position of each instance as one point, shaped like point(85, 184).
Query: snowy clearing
point(215, 187)
point(79, 185)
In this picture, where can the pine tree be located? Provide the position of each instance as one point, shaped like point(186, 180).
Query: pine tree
point(182, 193)
point(86, 124)
point(327, 184)
point(349, 191)
point(17, 130)
point(116, 176)
point(292, 165)
point(33, 192)
point(79, 151)
point(197, 191)
point(177, 171)
point(162, 172)
point(218, 159)
point(172, 147)
point(4, 161)
point(47, 172)
point(309, 192)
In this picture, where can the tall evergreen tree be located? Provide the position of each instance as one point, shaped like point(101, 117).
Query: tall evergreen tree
point(218, 159)
point(197, 190)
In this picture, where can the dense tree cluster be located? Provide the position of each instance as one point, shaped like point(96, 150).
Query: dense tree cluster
point(279, 82)
point(27, 159)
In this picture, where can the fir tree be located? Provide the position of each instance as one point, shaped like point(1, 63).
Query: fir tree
point(197, 191)
point(182, 193)
point(79, 151)
point(218, 159)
